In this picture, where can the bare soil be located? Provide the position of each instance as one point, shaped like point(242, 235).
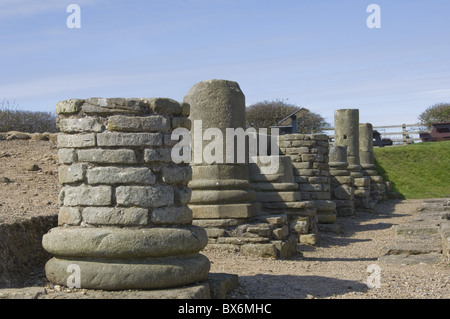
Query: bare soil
point(336, 268)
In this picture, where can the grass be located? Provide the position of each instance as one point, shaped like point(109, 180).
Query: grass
point(417, 171)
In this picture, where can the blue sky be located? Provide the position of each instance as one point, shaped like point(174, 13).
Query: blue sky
point(317, 54)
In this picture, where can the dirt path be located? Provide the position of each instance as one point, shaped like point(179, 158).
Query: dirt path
point(337, 267)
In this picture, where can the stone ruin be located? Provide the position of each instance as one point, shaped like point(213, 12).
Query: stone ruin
point(124, 218)
point(131, 218)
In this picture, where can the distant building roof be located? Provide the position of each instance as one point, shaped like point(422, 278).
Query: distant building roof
point(287, 121)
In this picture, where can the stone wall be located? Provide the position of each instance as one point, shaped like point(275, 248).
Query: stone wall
point(123, 217)
point(309, 154)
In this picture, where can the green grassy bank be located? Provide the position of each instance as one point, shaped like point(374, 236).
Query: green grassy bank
point(417, 171)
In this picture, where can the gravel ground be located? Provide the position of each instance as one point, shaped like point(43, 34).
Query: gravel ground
point(335, 268)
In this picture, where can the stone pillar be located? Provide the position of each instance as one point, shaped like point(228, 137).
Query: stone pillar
point(377, 185)
point(366, 149)
point(346, 133)
point(220, 191)
point(124, 220)
point(341, 181)
point(309, 155)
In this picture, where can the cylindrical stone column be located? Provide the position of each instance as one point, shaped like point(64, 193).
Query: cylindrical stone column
point(220, 189)
point(346, 133)
point(124, 220)
point(366, 149)
point(341, 181)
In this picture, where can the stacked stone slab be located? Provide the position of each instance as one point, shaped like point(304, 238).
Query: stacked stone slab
point(123, 220)
point(279, 196)
point(309, 156)
point(222, 200)
point(341, 182)
point(377, 184)
point(346, 128)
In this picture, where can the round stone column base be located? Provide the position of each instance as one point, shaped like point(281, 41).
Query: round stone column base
point(121, 274)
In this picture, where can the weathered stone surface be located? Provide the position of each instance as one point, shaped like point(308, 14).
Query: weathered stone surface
point(133, 216)
point(166, 106)
point(69, 216)
point(67, 156)
point(102, 156)
point(158, 155)
point(343, 192)
point(120, 175)
point(76, 141)
point(78, 125)
point(68, 106)
point(244, 210)
point(176, 174)
point(153, 123)
point(87, 195)
point(260, 250)
point(72, 173)
point(112, 242)
point(142, 273)
point(265, 197)
point(129, 139)
point(171, 215)
point(145, 196)
point(208, 197)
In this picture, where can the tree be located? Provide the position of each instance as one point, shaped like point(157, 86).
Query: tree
point(269, 113)
point(437, 113)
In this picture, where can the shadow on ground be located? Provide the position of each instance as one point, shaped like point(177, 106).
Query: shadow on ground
point(300, 287)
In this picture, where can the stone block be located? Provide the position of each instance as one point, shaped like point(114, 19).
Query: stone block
point(79, 125)
point(76, 141)
point(153, 123)
point(176, 174)
point(343, 192)
point(68, 106)
point(321, 195)
point(166, 106)
point(87, 196)
point(362, 182)
point(181, 121)
point(145, 196)
point(281, 233)
point(308, 239)
point(245, 210)
point(129, 139)
point(310, 187)
point(115, 216)
point(162, 154)
point(101, 156)
point(171, 215)
point(296, 150)
point(72, 173)
point(69, 216)
point(304, 143)
point(67, 156)
point(120, 175)
point(260, 250)
point(300, 225)
point(265, 197)
point(182, 195)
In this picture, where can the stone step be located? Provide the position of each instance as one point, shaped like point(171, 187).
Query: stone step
point(415, 246)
